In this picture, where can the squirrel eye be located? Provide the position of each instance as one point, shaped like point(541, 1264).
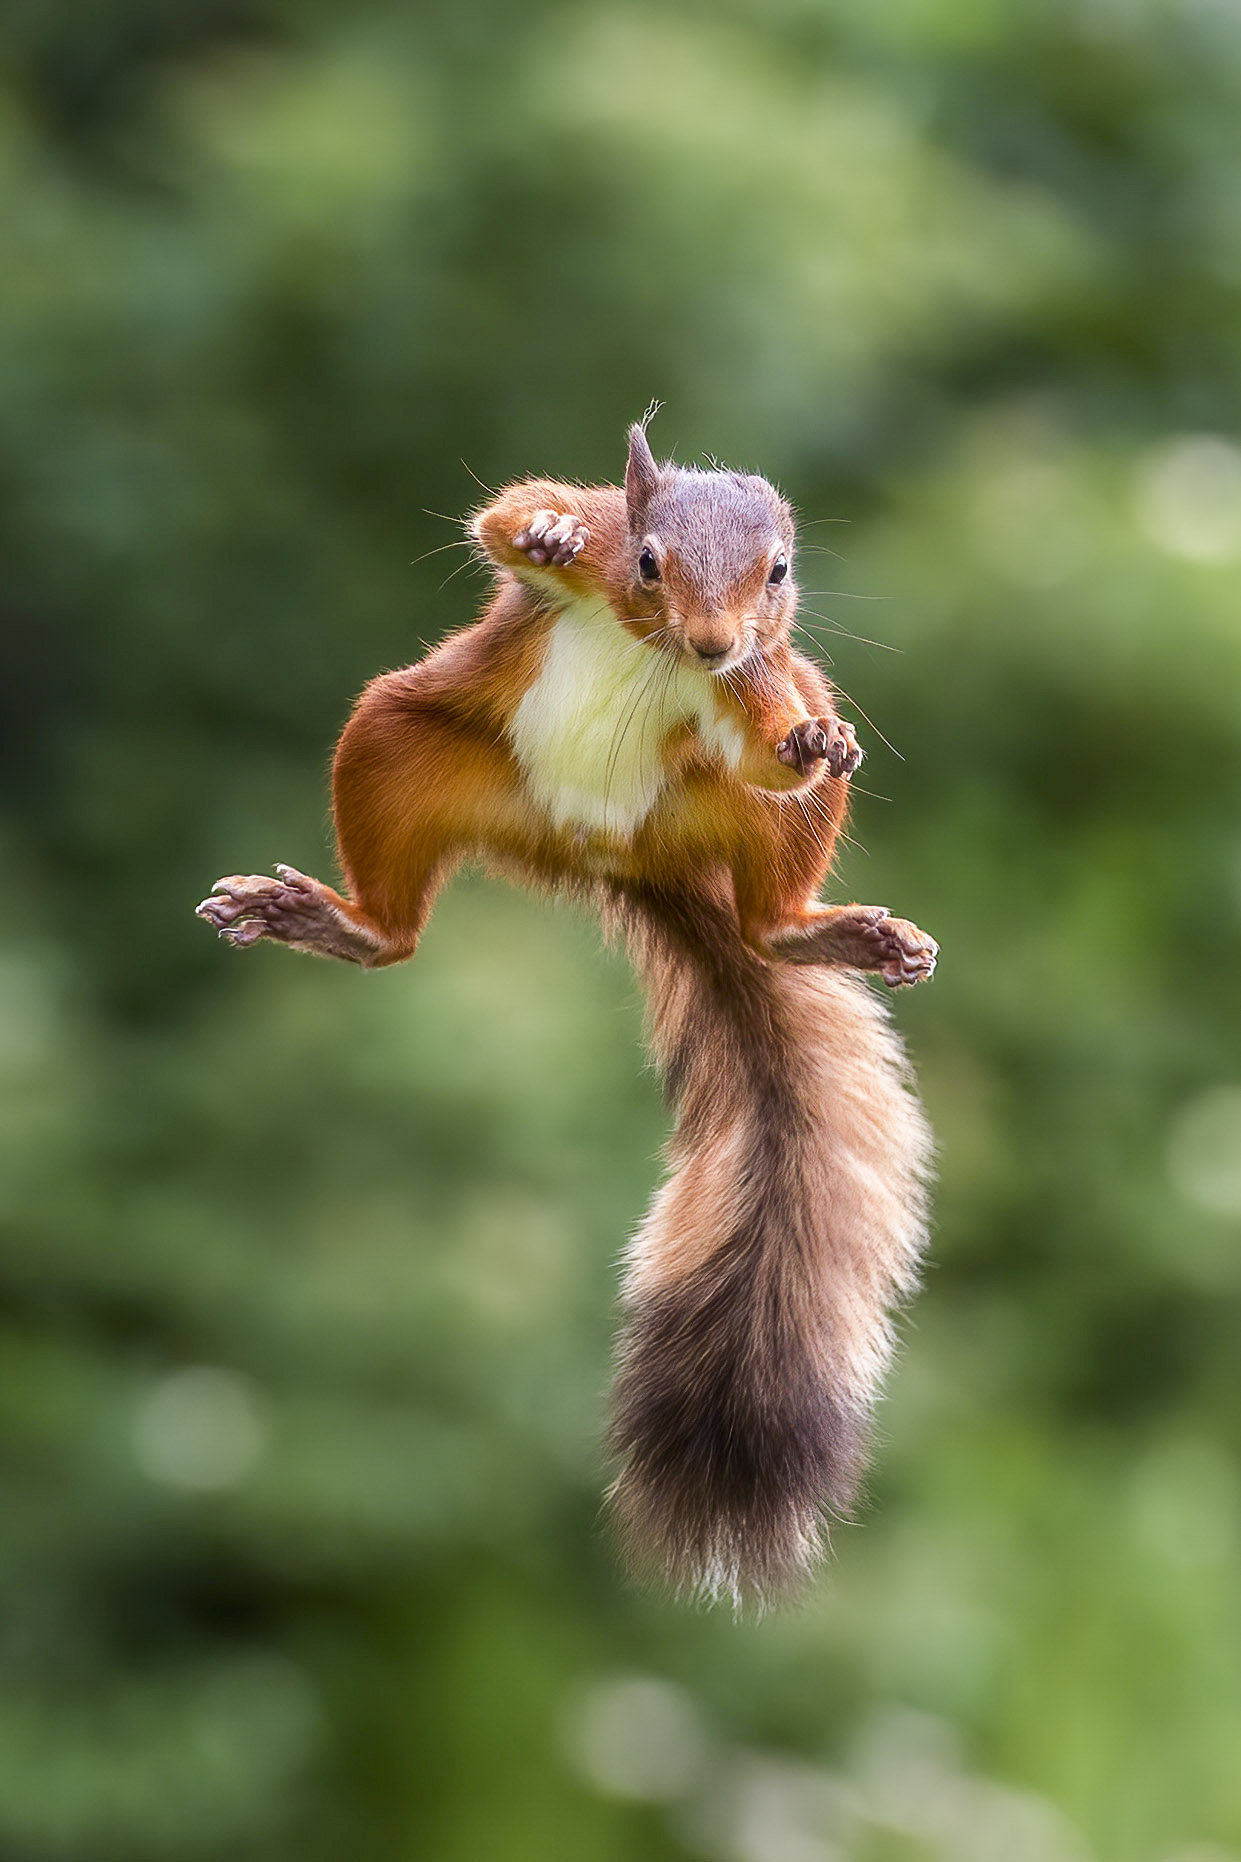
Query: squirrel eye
point(648, 568)
point(779, 569)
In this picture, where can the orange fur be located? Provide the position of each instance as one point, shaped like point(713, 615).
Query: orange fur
point(423, 776)
point(651, 626)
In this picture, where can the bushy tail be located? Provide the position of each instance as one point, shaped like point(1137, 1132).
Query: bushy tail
point(758, 1290)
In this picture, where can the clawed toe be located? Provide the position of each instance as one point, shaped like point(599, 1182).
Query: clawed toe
point(844, 752)
point(248, 906)
point(224, 905)
point(553, 538)
point(806, 744)
point(297, 882)
point(911, 954)
point(906, 971)
point(242, 935)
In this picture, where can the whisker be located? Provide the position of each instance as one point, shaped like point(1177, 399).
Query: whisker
point(878, 733)
point(622, 732)
point(655, 702)
point(489, 489)
point(655, 705)
point(461, 543)
point(846, 594)
point(799, 796)
point(841, 834)
point(816, 643)
point(818, 801)
point(833, 626)
point(471, 562)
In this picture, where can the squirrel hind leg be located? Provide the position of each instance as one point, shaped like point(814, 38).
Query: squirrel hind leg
point(296, 910)
point(860, 937)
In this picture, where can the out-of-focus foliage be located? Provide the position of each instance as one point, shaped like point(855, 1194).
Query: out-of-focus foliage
point(308, 1275)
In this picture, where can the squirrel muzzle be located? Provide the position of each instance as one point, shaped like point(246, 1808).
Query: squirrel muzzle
point(716, 640)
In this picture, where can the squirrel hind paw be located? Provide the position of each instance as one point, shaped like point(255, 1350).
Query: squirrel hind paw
point(864, 937)
point(910, 955)
point(893, 947)
point(246, 907)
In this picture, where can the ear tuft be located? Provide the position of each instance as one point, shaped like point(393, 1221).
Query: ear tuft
point(641, 477)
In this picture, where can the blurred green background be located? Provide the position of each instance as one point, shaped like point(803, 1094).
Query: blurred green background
point(308, 1276)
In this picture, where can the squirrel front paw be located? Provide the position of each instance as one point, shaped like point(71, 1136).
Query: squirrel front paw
point(554, 538)
point(821, 740)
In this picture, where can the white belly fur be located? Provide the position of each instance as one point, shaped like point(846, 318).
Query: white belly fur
point(590, 731)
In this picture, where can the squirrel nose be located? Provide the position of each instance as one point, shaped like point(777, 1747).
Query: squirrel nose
point(712, 654)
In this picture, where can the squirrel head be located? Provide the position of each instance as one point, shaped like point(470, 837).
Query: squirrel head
point(709, 559)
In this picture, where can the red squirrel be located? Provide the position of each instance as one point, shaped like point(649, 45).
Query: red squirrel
point(629, 722)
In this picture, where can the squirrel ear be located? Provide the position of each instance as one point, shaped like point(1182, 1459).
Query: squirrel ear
point(641, 477)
